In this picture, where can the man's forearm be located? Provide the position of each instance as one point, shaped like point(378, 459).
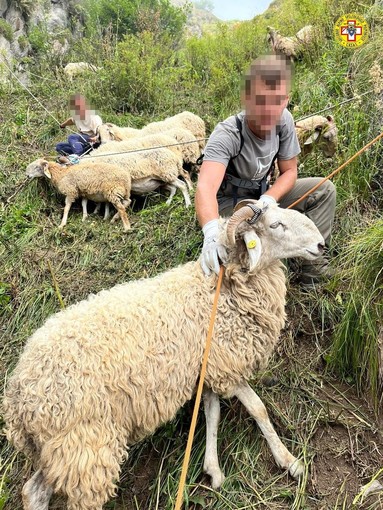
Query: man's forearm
point(209, 181)
point(206, 206)
point(283, 184)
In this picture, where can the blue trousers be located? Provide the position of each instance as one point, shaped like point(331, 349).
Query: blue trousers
point(76, 144)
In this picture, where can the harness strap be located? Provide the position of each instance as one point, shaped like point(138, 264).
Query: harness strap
point(242, 183)
point(239, 127)
point(231, 175)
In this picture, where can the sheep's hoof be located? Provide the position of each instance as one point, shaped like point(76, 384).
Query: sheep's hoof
point(296, 469)
point(216, 477)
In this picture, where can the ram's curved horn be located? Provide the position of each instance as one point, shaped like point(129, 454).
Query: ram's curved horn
point(246, 210)
point(254, 248)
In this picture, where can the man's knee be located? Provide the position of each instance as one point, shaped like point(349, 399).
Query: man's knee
point(73, 139)
point(326, 193)
point(330, 189)
point(62, 147)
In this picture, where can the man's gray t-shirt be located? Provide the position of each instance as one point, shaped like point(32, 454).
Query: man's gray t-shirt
point(256, 155)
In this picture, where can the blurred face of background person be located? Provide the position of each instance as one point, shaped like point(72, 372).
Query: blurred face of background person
point(265, 93)
point(78, 106)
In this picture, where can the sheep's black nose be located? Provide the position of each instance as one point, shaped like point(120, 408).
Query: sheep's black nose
point(321, 247)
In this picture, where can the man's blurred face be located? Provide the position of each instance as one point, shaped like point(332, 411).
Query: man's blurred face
point(264, 104)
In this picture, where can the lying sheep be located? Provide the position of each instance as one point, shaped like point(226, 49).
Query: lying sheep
point(320, 131)
point(74, 69)
point(107, 371)
point(291, 47)
point(149, 170)
point(94, 181)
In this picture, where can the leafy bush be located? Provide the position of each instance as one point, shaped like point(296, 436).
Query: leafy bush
point(39, 39)
point(131, 17)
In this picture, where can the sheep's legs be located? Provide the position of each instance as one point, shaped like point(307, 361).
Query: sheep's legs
point(172, 190)
point(68, 204)
point(82, 463)
point(121, 213)
point(257, 410)
point(107, 211)
point(84, 203)
point(212, 415)
point(173, 186)
point(97, 208)
point(185, 174)
point(182, 186)
point(36, 493)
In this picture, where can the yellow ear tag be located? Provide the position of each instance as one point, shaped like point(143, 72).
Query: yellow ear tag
point(251, 244)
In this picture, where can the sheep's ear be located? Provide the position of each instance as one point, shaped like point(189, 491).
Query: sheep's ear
point(311, 139)
point(254, 248)
point(44, 166)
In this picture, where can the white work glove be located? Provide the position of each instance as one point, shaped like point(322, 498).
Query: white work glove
point(267, 200)
point(212, 249)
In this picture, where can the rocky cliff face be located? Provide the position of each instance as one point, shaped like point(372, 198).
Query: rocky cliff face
point(17, 16)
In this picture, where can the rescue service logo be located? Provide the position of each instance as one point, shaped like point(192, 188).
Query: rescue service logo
point(351, 30)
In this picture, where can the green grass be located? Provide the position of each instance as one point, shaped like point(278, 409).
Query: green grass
point(321, 415)
point(357, 351)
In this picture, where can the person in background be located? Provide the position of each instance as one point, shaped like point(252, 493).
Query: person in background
point(240, 156)
point(87, 124)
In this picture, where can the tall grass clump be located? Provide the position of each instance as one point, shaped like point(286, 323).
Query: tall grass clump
point(357, 350)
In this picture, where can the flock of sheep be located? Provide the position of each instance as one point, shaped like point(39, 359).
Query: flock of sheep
point(130, 161)
point(160, 155)
point(107, 371)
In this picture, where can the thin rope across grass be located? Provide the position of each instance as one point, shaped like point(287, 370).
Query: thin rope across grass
point(143, 149)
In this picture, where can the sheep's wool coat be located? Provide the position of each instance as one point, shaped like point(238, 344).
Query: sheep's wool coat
point(109, 370)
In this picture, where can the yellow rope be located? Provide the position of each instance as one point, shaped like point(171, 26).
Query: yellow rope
point(185, 465)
